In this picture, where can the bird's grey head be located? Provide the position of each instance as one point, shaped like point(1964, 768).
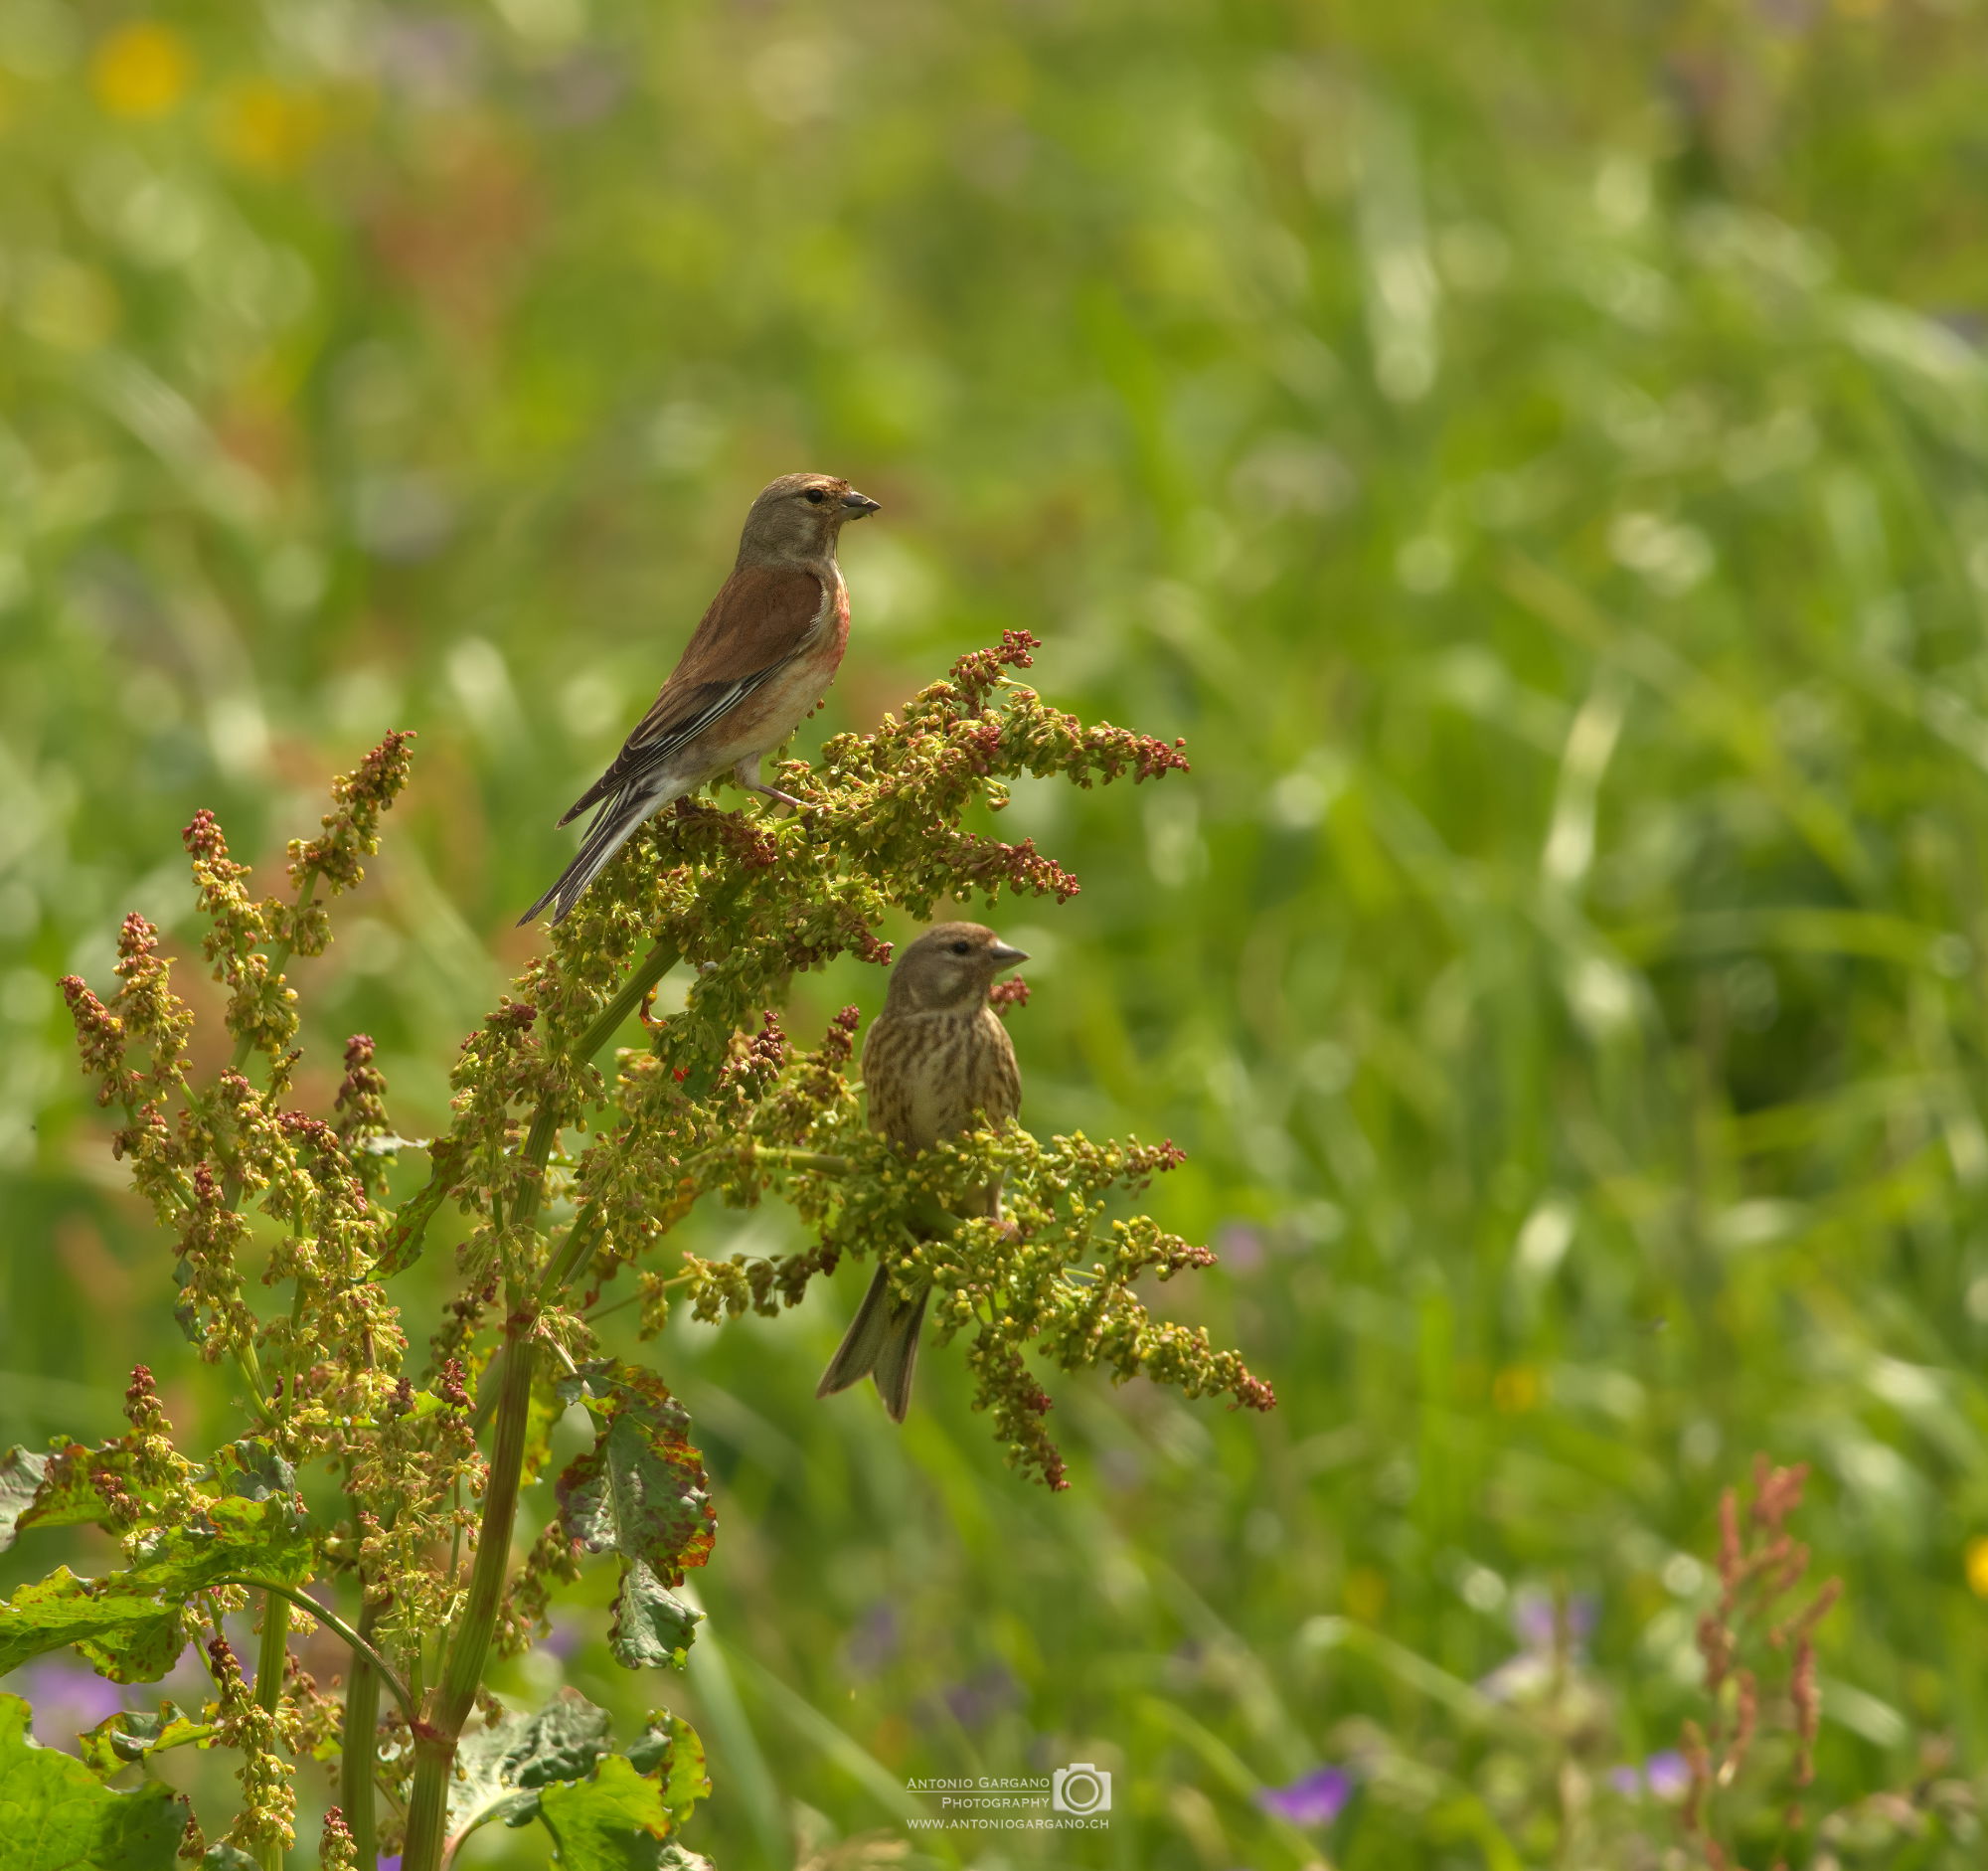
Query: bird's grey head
point(798, 516)
point(951, 966)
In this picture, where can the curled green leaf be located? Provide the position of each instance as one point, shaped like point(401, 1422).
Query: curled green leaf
point(131, 1733)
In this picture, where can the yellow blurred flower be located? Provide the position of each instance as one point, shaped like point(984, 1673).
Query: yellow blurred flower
point(1977, 1565)
point(1515, 1390)
point(140, 71)
point(262, 125)
point(1366, 1595)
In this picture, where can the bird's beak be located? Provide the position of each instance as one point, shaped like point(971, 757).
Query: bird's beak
point(1007, 957)
point(859, 504)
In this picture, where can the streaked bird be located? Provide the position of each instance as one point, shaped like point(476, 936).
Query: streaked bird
point(764, 655)
point(937, 1061)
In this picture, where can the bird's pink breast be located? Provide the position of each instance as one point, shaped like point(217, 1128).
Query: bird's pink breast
point(770, 715)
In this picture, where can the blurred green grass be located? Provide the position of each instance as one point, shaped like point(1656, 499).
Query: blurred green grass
point(1535, 455)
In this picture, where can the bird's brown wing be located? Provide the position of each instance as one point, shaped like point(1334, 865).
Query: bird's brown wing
point(761, 619)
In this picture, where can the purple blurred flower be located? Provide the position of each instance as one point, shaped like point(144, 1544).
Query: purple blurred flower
point(1240, 1247)
point(1789, 15)
point(1533, 1621)
point(582, 89)
point(67, 1699)
point(1667, 1775)
point(1315, 1800)
point(1533, 1618)
point(1664, 1776)
point(564, 1639)
point(976, 1701)
point(874, 1642)
point(431, 60)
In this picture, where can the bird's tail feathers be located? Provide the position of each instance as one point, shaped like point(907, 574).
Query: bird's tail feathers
point(592, 796)
point(613, 825)
point(882, 1343)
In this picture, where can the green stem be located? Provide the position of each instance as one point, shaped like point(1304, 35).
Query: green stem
point(469, 1650)
point(829, 1165)
point(412, 1220)
point(362, 1646)
point(250, 1367)
point(455, 1536)
point(358, 1744)
point(579, 1243)
point(648, 971)
point(469, 1643)
point(416, 1212)
point(270, 1661)
point(532, 1162)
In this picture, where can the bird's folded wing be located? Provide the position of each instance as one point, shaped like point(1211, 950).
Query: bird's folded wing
point(763, 618)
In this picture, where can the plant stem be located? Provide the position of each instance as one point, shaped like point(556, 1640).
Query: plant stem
point(829, 1165)
point(359, 1743)
point(362, 1646)
point(270, 1661)
point(410, 1221)
point(469, 1643)
point(579, 1243)
point(469, 1649)
point(648, 971)
point(532, 1161)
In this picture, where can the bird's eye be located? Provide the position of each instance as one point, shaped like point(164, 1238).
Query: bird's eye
point(962, 949)
point(816, 496)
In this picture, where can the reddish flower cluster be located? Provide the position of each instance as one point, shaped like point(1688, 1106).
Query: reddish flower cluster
point(449, 1386)
point(752, 1062)
point(144, 1010)
point(1017, 1404)
point(1759, 1564)
point(337, 1850)
point(977, 674)
point(99, 1038)
point(984, 864)
point(360, 1108)
point(352, 827)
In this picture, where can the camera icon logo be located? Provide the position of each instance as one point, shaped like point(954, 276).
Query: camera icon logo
point(1080, 1787)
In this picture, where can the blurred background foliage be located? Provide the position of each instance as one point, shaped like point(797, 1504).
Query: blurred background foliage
point(1533, 454)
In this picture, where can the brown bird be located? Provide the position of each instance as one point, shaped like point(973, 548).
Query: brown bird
point(936, 1061)
point(765, 655)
